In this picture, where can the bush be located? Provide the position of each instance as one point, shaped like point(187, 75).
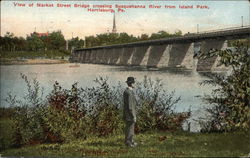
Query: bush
point(28, 114)
point(104, 104)
point(66, 115)
point(231, 98)
point(155, 106)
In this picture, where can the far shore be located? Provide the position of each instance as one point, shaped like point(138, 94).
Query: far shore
point(5, 61)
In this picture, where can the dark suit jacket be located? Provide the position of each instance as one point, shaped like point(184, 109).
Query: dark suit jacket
point(130, 103)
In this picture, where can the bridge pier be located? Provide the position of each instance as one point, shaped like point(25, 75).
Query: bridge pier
point(209, 63)
point(138, 54)
point(165, 57)
point(116, 52)
point(92, 56)
point(105, 56)
point(155, 55)
point(121, 51)
point(82, 57)
point(178, 53)
point(108, 56)
point(188, 61)
point(146, 57)
point(131, 57)
point(87, 56)
point(125, 56)
point(97, 58)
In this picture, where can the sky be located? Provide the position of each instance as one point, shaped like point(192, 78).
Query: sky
point(79, 22)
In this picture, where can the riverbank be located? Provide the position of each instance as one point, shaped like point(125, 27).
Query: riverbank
point(4, 61)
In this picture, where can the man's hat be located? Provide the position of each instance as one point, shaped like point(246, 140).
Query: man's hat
point(130, 80)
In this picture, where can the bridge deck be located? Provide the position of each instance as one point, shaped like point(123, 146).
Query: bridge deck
point(223, 34)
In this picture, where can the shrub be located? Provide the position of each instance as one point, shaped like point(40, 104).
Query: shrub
point(104, 111)
point(66, 112)
point(231, 98)
point(65, 115)
point(155, 106)
point(28, 114)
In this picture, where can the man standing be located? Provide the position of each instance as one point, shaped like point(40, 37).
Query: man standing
point(129, 112)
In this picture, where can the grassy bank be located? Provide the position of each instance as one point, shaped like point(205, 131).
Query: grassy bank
point(6, 133)
point(6, 61)
point(151, 144)
point(34, 54)
point(31, 57)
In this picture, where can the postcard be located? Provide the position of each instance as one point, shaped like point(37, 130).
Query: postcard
point(124, 78)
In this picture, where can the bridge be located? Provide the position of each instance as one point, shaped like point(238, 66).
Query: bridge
point(167, 52)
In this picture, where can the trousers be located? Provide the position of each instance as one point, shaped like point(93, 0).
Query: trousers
point(129, 132)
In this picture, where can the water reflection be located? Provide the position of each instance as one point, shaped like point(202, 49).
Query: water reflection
point(180, 71)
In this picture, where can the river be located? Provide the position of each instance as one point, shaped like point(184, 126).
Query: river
point(185, 83)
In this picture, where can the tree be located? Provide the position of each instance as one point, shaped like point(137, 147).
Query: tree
point(35, 43)
point(144, 37)
point(90, 41)
point(56, 41)
point(232, 95)
point(164, 34)
point(177, 33)
point(8, 42)
point(76, 43)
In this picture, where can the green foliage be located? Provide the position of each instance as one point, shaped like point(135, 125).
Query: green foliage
point(103, 102)
point(164, 34)
point(151, 144)
point(56, 41)
point(6, 113)
point(109, 39)
point(234, 43)
point(76, 43)
point(33, 42)
point(11, 43)
point(6, 130)
point(232, 97)
point(120, 38)
point(28, 114)
point(65, 115)
point(144, 37)
point(156, 105)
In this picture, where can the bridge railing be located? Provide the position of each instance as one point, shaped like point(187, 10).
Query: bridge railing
point(189, 37)
point(222, 30)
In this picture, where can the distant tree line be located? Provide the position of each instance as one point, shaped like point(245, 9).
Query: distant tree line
point(120, 38)
point(56, 41)
point(38, 42)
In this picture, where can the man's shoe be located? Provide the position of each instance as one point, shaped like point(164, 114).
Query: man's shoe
point(134, 143)
point(130, 145)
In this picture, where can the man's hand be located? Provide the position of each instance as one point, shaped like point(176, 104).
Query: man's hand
point(134, 119)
